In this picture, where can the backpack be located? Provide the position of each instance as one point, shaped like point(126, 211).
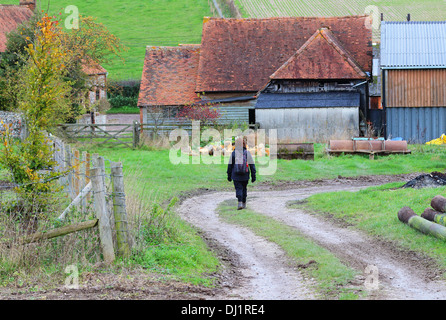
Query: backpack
point(241, 162)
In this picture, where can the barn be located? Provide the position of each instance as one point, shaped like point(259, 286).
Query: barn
point(167, 84)
point(413, 63)
point(317, 95)
point(256, 68)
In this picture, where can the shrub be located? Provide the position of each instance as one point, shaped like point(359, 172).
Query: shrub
point(121, 101)
point(123, 93)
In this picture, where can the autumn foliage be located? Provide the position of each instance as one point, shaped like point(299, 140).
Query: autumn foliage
point(44, 102)
point(205, 113)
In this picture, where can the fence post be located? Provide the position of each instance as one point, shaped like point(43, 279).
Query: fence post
point(61, 161)
point(136, 132)
point(83, 177)
point(76, 163)
point(105, 231)
point(87, 173)
point(24, 130)
point(68, 157)
point(119, 210)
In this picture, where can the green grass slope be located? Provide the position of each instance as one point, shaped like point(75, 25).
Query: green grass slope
point(393, 10)
point(139, 24)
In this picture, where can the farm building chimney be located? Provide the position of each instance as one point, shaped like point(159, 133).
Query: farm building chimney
point(31, 4)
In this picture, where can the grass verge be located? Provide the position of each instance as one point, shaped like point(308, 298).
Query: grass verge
point(151, 178)
point(152, 181)
point(375, 209)
point(124, 110)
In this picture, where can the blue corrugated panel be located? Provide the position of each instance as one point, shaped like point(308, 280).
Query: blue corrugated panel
point(413, 44)
point(308, 100)
point(416, 125)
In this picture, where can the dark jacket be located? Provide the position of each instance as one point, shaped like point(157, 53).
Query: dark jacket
point(232, 175)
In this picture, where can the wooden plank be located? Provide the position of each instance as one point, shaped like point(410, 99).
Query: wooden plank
point(49, 234)
point(416, 88)
point(119, 210)
point(76, 201)
point(84, 131)
point(76, 164)
point(105, 231)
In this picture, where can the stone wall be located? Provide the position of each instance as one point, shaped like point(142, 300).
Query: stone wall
point(12, 118)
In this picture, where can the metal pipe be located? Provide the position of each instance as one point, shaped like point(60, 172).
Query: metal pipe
point(359, 84)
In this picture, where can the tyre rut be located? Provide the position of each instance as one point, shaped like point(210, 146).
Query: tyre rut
point(265, 271)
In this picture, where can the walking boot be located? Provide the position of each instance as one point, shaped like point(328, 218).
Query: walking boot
point(240, 205)
point(243, 205)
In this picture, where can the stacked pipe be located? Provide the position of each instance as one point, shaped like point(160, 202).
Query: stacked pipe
point(432, 221)
point(437, 212)
point(368, 145)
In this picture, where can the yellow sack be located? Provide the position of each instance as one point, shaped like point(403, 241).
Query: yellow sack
point(438, 141)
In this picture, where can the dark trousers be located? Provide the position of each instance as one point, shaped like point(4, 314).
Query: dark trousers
point(241, 190)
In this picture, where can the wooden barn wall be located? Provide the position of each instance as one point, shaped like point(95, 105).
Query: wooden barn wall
point(317, 125)
point(416, 88)
point(230, 113)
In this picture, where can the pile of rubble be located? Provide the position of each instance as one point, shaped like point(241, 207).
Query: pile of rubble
point(428, 180)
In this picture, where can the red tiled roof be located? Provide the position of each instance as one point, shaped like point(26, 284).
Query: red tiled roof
point(241, 54)
point(321, 57)
point(92, 68)
point(10, 18)
point(169, 76)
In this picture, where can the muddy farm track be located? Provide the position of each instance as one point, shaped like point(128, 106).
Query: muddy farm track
point(263, 271)
point(254, 268)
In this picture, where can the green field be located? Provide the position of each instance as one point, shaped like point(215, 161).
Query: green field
point(171, 22)
point(393, 10)
point(139, 24)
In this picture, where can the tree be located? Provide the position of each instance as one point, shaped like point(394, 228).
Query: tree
point(13, 59)
point(204, 112)
point(44, 102)
point(91, 43)
point(43, 66)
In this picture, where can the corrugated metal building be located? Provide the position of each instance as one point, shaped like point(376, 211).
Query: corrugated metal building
point(315, 117)
point(413, 63)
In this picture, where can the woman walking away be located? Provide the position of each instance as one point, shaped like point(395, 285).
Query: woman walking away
point(240, 165)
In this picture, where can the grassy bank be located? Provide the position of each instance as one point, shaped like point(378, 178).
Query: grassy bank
point(167, 245)
point(152, 179)
point(139, 24)
point(156, 174)
point(375, 209)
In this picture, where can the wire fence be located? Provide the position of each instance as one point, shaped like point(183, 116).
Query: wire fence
point(96, 196)
point(95, 184)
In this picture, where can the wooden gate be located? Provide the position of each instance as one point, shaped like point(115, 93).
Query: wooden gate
point(127, 134)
